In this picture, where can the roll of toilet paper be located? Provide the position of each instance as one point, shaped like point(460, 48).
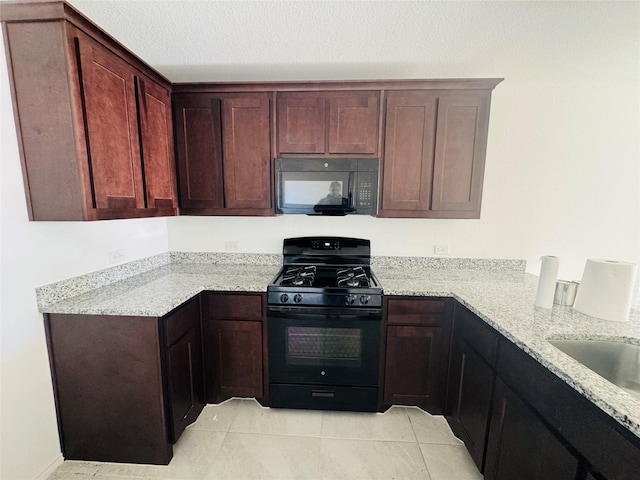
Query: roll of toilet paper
point(547, 281)
point(606, 289)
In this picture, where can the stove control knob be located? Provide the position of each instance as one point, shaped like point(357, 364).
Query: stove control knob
point(297, 298)
point(349, 300)
point(284, 298)
point(364, 299)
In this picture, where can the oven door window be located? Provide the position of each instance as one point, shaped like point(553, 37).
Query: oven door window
point(317, 346)
point(324, 349)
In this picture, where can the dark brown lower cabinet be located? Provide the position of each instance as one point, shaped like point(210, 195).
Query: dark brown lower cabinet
point(470, 407)
point(471, 381)
point(121, 394)
point(417, 352)
point(521, 446)
point(233, 338)
point(185, 381)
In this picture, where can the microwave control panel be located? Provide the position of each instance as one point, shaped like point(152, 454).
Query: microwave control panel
point(367, 193)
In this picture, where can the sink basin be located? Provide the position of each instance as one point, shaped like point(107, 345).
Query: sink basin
point(618, 362)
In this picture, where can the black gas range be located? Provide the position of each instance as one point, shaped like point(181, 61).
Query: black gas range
point(326, 271)
point(324, 313)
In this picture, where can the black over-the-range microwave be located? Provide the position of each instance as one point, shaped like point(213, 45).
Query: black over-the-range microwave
point(327, 186)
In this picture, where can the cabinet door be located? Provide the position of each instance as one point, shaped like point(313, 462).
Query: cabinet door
point(154, 105)
point(236, 357)
point(408, 153)
point(412, 366)
point(109, 93)
point(185, 382)
point(461, 142)
point(332, 123)
point(301, 122)
point(198, 133)
point(521, 446)
point(471, 383)
point(247, 151)
point(353, 122)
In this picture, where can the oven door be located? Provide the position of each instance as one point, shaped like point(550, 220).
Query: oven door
point(324, 346)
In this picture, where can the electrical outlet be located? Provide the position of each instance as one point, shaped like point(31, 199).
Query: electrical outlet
point(232, 246)
point(116, 256)
point(441, 249)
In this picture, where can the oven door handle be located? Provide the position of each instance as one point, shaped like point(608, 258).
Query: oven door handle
point(322, 394)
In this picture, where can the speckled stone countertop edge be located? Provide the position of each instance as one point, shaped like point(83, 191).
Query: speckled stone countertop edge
point(53, 293)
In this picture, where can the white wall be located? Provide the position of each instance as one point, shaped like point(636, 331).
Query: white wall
point(563, 159)
point(34, 254)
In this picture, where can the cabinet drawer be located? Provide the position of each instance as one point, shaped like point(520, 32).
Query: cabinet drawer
point(403, 311)
point(479, 336)
point(232, 306)
point(180, 321)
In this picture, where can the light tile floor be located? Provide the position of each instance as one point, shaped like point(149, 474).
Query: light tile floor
point(239, 439)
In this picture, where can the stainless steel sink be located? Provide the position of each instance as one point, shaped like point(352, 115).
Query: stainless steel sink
point(618, 362)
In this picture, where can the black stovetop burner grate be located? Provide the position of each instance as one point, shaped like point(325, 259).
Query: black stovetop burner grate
point(303, 276)
point(352, 277)
point(326, 276)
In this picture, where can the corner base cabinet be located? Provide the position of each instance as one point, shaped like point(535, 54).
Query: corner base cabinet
point(125, 387)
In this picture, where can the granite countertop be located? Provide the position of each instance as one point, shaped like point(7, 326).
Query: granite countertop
point(503, 298)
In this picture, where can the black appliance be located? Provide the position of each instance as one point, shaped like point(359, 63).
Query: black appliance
point(324, 313)
point(327, 186)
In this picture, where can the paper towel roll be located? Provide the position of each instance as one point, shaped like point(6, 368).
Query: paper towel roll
point(606, 289)
point(547, 281)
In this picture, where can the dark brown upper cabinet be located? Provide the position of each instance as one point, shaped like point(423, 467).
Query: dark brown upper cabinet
point(94, 122)
point(434, 152)
point(328, 123)
point(223, 143)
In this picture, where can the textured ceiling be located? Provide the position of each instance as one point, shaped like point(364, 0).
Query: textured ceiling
point(290, 40)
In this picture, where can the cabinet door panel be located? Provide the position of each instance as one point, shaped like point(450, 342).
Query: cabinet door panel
point(199, 150)
point(157, 144)
point(184, 378)
point(112, 127)
point(301, 122)
point(237, 352)
point(353, 122)
point(409, 148)
point(247, 151)
point(412, 365)
point(473, 406)
point(521, 446)
point(461, 141)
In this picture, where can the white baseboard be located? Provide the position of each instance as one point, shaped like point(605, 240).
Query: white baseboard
point(50, 469)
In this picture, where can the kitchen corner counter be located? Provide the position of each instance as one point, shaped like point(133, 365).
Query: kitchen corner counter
point(502, 294)
point(505, 301)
